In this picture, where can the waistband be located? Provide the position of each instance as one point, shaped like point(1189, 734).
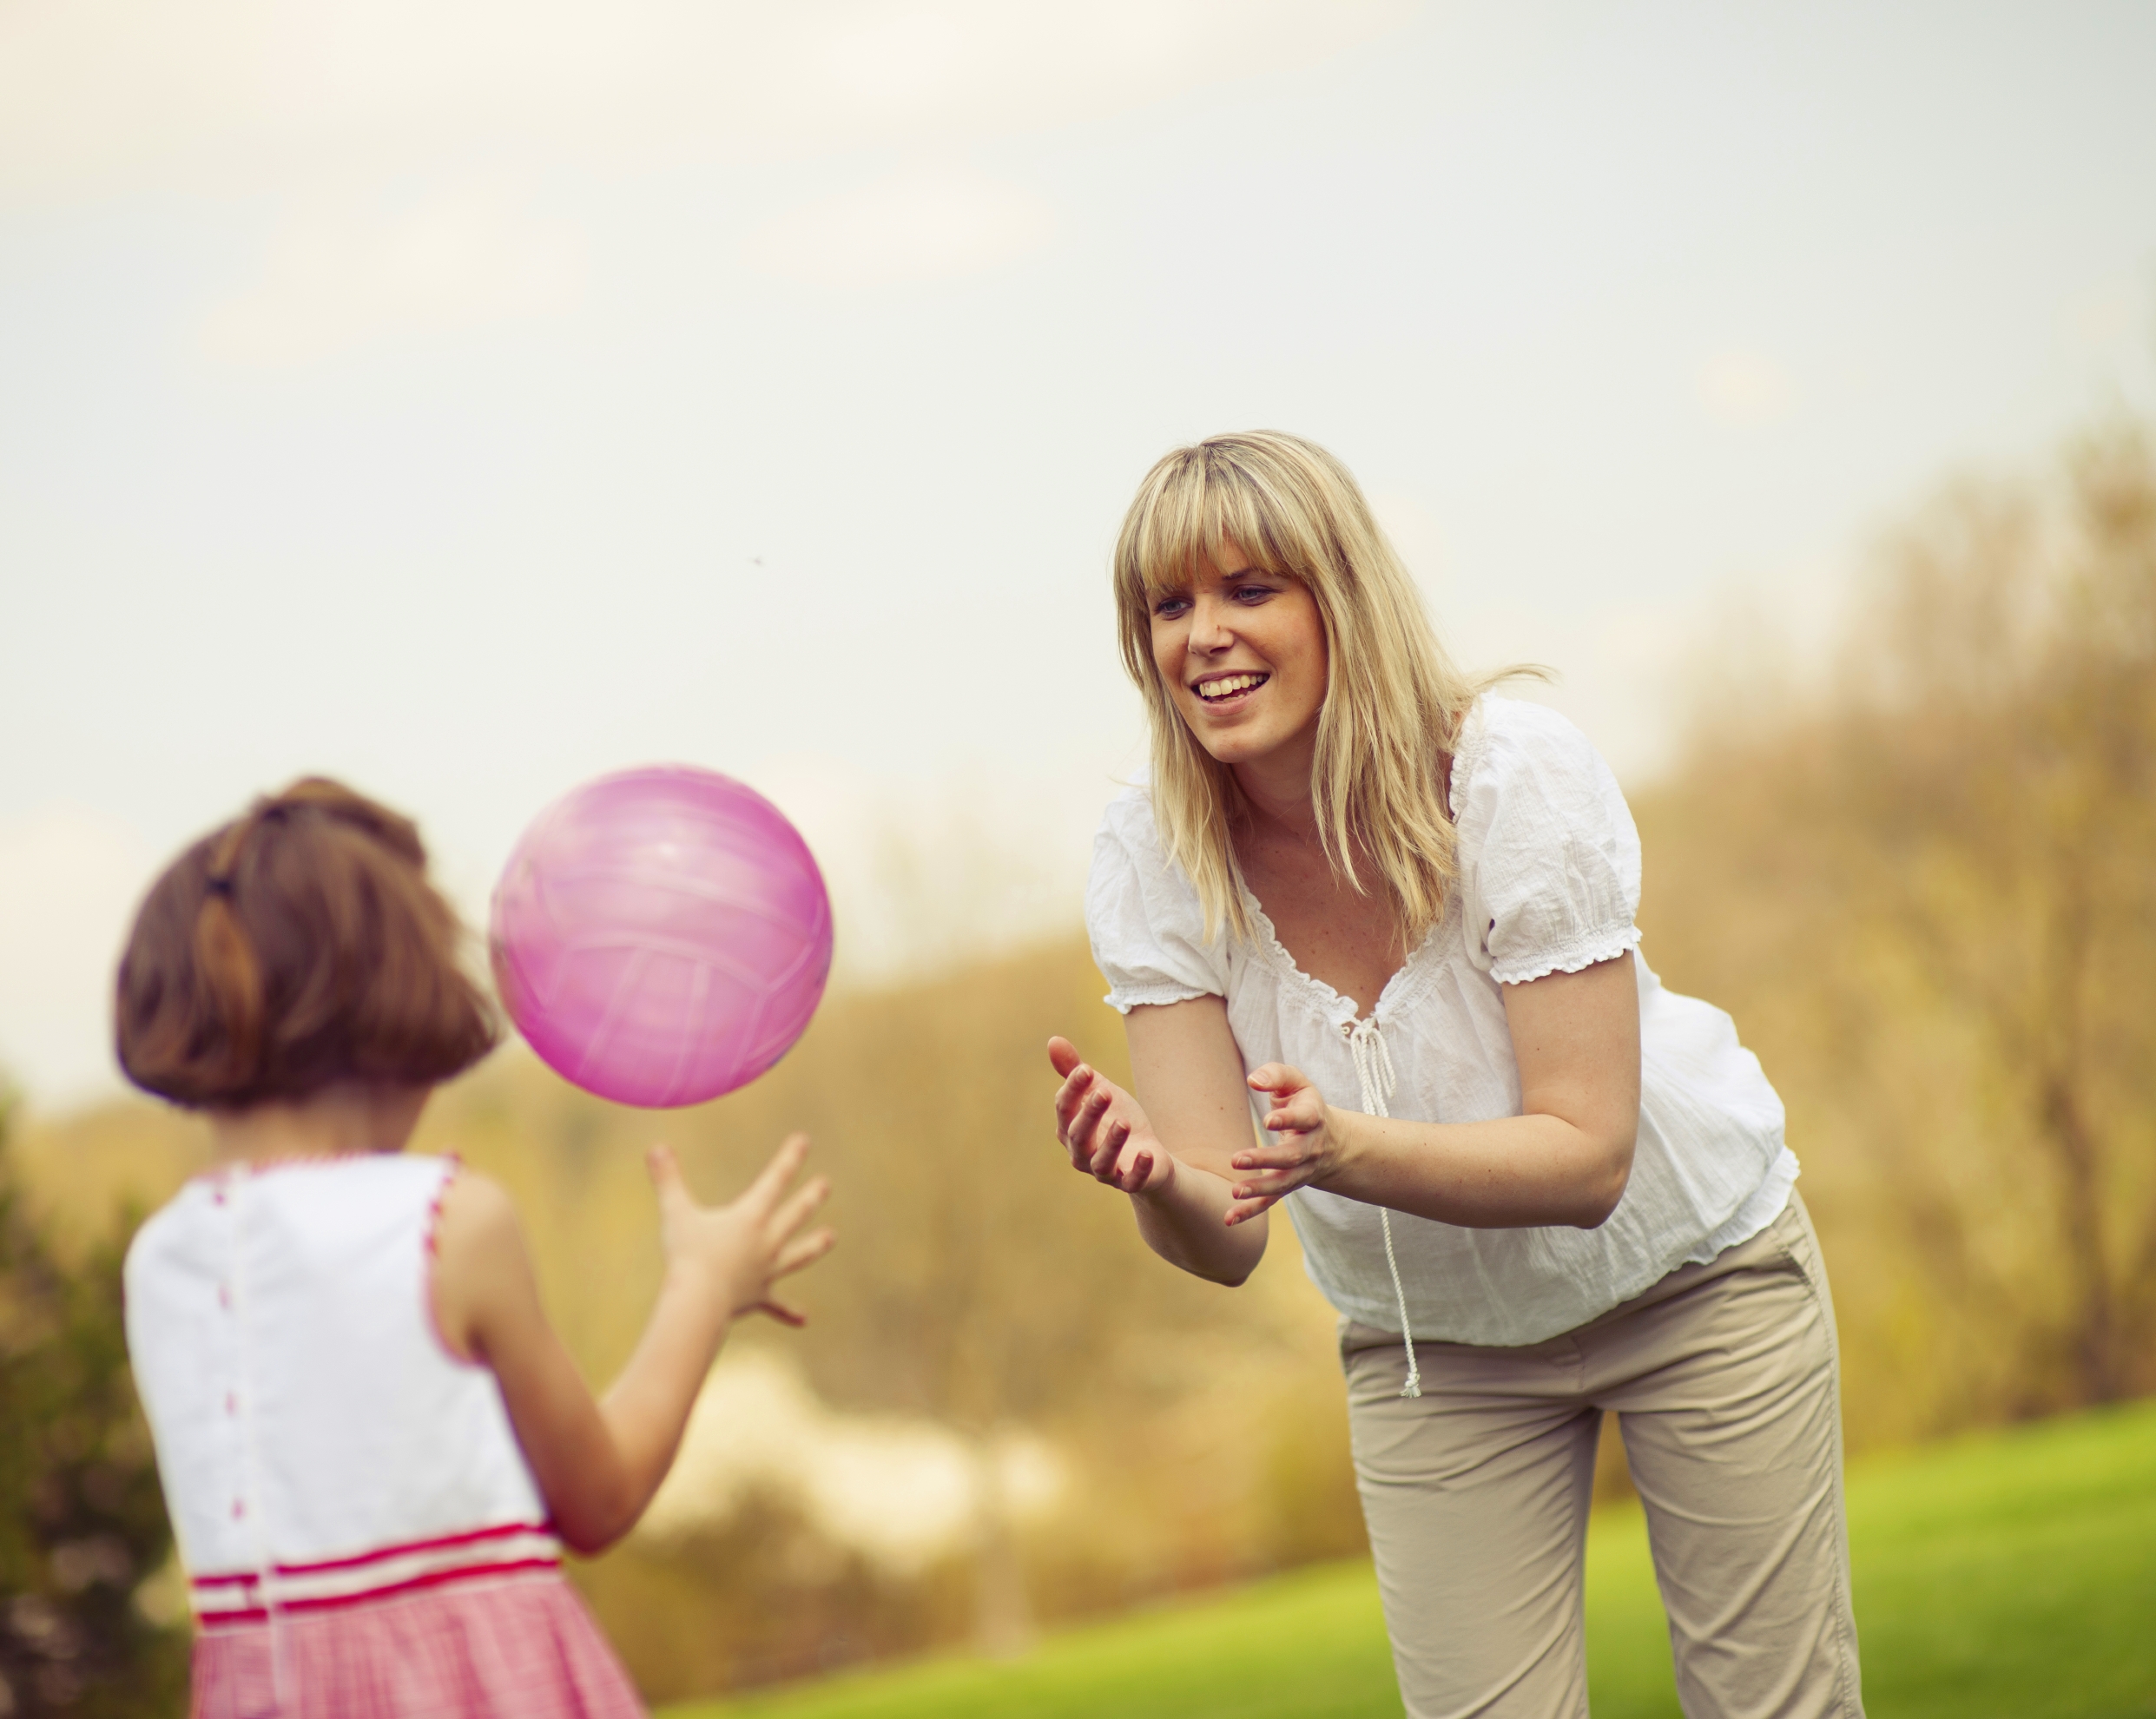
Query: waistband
point(1789, 1230)
point(253, 1596)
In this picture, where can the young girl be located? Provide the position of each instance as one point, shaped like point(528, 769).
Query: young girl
point(372, 1443)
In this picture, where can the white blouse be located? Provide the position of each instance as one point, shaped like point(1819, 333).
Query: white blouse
point(1549, 882)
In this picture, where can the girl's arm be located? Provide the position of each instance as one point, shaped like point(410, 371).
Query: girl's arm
point(1564, 1160)
point(599, 1463)
point(1173, 1154)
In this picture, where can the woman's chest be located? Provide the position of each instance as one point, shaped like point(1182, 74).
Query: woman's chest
point(1348, 940)
point(1446, 1041)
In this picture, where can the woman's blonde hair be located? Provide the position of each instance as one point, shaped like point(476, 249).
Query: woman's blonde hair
point(1394, 699)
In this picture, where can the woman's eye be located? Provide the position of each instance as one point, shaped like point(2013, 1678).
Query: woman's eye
point(1253, 593)
point(1169, 607)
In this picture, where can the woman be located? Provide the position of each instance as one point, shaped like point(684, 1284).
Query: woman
point(1392, 916)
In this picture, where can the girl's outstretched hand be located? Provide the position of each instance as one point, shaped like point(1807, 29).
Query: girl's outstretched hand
point(1104, 1130)
point(738, 1251)
point(1303, 1148)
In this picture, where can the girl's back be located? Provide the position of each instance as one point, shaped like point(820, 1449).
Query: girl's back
point(361, 1529)
point(318, 1441)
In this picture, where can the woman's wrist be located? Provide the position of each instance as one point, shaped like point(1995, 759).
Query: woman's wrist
point(1346, 1143)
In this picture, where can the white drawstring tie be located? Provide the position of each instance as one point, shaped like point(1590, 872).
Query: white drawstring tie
point(1374, 1073)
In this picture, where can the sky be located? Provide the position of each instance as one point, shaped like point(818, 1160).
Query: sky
point(466, 399)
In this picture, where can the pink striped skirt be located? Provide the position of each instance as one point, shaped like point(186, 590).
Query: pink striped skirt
point(510, 1647)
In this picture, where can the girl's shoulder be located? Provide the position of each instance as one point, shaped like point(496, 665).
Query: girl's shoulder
point(353, 1184)
point(164, 1231)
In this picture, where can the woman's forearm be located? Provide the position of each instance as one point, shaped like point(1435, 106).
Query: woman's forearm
point(1185, 1219)
point(1513, 1172)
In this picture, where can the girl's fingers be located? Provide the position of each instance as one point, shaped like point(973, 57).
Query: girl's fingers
point(1063, 1056)
point(666, 1173)
point(781, 1312)
point(1141, 1174)
point(795, 1212)
point(1242, 1211)
point(785, 1165)
point(804, 1252)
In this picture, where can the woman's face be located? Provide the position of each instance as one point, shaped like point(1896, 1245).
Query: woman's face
point(1243, 655)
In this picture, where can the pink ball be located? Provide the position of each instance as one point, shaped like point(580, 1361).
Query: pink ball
point(661, 936)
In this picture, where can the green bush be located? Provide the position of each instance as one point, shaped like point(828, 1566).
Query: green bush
point(82, 1521)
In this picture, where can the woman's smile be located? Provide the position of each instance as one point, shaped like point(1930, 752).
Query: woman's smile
point(1242, 654)
point(1221, 691)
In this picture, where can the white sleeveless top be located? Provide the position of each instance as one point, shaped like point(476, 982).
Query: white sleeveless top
point(1549, 882)
point(318, 1443)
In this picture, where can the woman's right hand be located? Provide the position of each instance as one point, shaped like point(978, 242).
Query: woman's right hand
point(1104, 1130)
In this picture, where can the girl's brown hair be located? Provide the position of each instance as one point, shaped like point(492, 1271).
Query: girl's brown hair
point(298, 945)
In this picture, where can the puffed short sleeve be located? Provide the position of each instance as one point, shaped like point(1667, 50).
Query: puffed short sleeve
point(1549, 854)
point(1142, 915)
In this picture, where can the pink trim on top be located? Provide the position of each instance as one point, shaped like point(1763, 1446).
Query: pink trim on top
point(434, 1205)
point(433, 1254)
point(404, 1548)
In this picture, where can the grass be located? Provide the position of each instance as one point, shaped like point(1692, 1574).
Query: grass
point(2011, 1575)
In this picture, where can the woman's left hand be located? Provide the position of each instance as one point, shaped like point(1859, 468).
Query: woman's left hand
point(1305, 1146)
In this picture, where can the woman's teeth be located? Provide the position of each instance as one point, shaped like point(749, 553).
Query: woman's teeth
point(1229, 685)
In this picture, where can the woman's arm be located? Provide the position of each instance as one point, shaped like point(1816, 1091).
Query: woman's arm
point(1170, 1147)
point(599, 1463)
point(1564, 1160)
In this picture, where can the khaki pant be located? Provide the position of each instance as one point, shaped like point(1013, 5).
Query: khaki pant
point(1724, 1376)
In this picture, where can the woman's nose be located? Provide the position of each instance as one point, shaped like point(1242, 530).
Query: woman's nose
point(1209, 626)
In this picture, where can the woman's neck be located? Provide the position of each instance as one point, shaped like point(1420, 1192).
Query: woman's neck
point(1276, 788)
point(350, 1116)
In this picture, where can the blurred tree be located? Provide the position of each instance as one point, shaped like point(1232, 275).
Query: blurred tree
point(1929, 896)
point(2007, 774)
point(979, 1282)
point(82, 1521)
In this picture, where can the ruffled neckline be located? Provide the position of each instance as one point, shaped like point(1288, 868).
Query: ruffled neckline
point(1410, 979)
point(1414, 975)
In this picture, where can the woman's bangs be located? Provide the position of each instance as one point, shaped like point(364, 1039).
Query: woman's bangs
point(1195, 515)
